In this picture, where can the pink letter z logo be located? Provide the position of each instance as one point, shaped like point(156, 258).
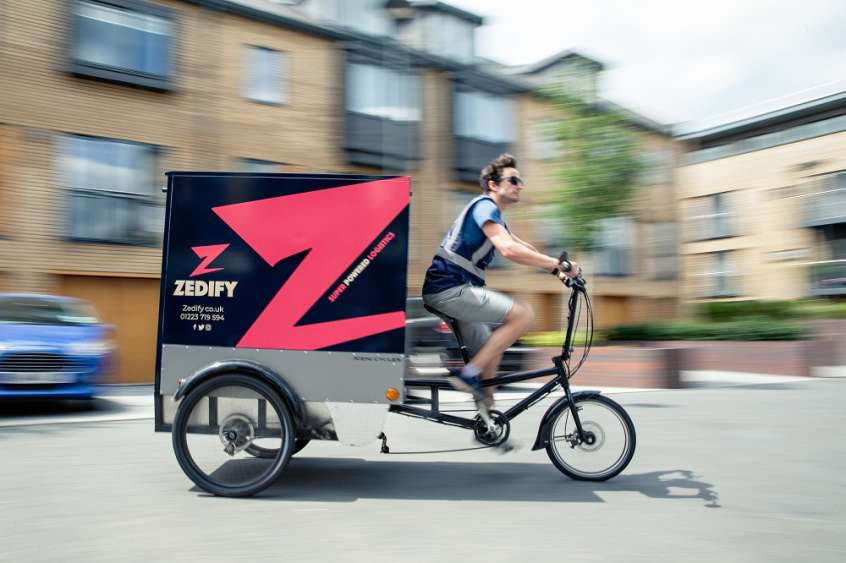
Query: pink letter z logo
point(208, 254)
point(336, 225)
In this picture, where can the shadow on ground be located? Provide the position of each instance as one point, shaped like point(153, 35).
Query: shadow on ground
point(348, 480)
point(22, 408)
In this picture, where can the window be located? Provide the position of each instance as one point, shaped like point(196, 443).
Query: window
point(382, 92)
point(712, 217)
point(614, 247)
point(368, 16)
point(449, 37)
point(265, 75)
point(716, 275)
point(792, 135)
point(255, 165)
point(113, 188)
point(484, 117)
point(383, 114)
point(826, 205)
point(484, 126)
point(663, 254)
point(123, 40)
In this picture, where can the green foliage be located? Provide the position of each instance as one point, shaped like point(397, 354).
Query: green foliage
point(555, 338)
point(750, 329)
point(597, 167)
point(819, 310)
point(721, 311)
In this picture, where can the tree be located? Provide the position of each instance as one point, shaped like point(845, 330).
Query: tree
point(597, 166)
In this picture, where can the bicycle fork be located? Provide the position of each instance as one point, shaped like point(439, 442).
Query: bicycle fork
point(565, 384)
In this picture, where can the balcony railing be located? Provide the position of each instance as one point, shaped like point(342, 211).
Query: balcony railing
point(825, 208)
point(828, 278)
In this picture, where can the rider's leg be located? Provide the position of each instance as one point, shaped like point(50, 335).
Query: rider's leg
point(489, 373)
point(517, 322)
point(475, 307)
point(474, 336)
point(490, 370)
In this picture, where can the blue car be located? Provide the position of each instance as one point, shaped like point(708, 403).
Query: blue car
point(51, 347)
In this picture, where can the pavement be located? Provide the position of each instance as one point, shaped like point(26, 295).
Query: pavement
point(742, 473)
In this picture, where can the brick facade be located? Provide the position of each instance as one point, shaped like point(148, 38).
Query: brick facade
point(204, 123)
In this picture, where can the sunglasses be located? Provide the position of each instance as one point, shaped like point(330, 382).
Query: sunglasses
point(514, 180)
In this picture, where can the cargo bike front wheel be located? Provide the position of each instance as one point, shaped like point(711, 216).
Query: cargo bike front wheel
point(604, 447)
point(218, 427)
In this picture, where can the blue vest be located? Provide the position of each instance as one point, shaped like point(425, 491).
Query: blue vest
point(464, 253)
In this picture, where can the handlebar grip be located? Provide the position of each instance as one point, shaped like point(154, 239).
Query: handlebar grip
point(564, 258)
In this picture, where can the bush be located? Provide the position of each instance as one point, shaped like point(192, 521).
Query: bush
point(724, 311)
point(554, 339)
point(698, 330)
point(820, 310)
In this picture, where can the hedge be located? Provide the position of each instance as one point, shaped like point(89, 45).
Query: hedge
point(699, 330)
point(723, 311)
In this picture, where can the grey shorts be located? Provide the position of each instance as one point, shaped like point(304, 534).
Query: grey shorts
point(474, 308)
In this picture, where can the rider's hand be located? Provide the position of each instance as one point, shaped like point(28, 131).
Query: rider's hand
point(573, 271)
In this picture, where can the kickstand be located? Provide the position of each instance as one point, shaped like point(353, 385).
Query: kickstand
point(385, 449)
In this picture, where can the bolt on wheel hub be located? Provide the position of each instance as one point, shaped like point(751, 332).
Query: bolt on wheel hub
point(237, 431)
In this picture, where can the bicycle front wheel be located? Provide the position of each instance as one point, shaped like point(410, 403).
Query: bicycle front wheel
point(607, 446)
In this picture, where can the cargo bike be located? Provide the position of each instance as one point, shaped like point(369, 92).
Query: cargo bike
point(282, 321)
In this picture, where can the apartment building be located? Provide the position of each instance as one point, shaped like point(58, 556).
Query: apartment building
point(764, 205)
point(100, 97)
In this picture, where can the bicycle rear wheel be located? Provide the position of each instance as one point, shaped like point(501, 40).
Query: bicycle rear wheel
point(219, 421)
point(609, 442)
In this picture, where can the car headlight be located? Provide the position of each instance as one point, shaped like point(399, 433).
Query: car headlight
point(90, 348)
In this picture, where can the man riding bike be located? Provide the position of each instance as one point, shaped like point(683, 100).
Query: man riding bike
point(455, 282)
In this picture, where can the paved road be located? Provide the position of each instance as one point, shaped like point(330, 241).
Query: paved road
point(750, 473)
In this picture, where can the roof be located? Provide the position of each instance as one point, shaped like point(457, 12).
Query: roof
point(484, 74)
point(434, 5)
point(291, 18)
point(552, 60)
point(781, 118)
point(635, 118)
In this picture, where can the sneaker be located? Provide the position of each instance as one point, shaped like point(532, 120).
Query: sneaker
point(468, 384)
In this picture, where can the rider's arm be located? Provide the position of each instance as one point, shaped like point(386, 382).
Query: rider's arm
point(524, 243)
point(516, 251)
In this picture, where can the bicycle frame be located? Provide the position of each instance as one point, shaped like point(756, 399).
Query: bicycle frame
point(559, 369)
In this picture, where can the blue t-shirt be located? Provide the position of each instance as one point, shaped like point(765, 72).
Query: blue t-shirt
point(465, 251)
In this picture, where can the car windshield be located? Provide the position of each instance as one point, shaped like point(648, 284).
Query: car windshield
point(32, 310)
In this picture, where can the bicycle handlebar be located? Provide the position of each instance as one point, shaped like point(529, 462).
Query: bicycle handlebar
point(578, 282)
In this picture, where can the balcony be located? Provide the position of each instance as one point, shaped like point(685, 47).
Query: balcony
point(825, 208)
point(828, 277)
point(380, 142)
point(471, 155)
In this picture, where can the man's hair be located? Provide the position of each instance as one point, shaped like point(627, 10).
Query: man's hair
point(493, 171)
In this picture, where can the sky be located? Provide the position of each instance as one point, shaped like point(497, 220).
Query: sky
point(689, 63)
